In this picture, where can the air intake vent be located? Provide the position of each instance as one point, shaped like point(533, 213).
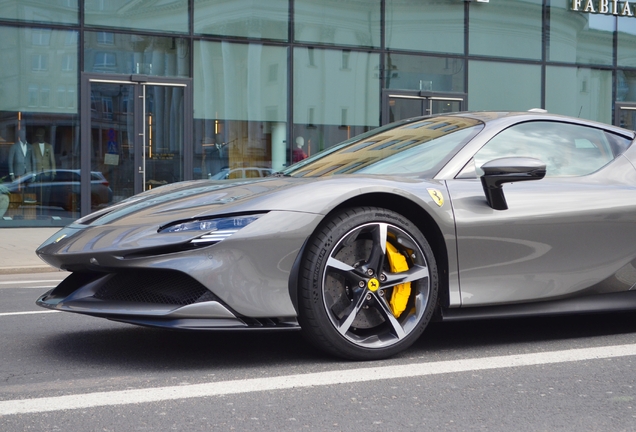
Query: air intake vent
point(155, 287)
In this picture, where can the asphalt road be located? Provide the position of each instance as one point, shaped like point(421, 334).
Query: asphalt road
point(67, 372)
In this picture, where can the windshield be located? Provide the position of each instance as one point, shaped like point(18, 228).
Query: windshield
point(420, 147)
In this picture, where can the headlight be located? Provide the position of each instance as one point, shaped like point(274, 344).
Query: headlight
point(215, 230)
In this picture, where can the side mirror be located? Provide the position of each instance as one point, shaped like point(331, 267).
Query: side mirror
point(508, 170)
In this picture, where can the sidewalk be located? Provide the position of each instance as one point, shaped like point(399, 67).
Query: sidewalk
point(17, 250)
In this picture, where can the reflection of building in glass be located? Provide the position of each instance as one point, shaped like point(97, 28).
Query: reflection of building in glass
point(150, 93)
point(378, 147)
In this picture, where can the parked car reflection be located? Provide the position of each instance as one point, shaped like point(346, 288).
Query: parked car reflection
point(59, 188)
point(237, 173)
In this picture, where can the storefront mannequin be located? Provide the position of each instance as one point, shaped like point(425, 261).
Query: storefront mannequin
point(43, 154)
point(298, 153)
point(21, 157)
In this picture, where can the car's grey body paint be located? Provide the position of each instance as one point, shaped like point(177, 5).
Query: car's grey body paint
point(250, 270)
point(558, 237)
point(545, 246)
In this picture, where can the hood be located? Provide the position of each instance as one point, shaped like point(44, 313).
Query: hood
point(133, 224)
point(202, 198)
point(185, 200)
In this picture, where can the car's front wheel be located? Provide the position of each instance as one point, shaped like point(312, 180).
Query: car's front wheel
point(368, 284)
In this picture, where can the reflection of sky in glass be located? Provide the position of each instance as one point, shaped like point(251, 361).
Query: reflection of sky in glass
point(567, 150)
point(414, 147)
point(627, 25)
point(601, 22)
point(421, 158)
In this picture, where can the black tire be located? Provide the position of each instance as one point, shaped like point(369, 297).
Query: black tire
point(341, 308)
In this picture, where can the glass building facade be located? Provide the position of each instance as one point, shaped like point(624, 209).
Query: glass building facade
point(103, 99)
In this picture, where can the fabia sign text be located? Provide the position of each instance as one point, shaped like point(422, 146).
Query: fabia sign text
point(614, 7)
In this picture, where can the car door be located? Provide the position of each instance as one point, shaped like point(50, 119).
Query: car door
point(569, 233)
point(61, 187)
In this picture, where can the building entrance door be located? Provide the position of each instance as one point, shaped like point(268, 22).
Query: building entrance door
point(136, 133)
point(626, 115)
point(399, 105)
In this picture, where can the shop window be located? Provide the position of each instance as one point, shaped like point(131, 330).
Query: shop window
point(239, 123)
point(242, 18)
point(425, 25)
point(513, 30)
point(33, 108)
point(164, 16)
point(424, 73)
point(626, 86)
point(39, 194)
point(494, 86)
point(626, 41)
point(578, 37)
point(41, 11)
point(332, 103)
point(132, 53)
point(589, 92)
point(353, 23)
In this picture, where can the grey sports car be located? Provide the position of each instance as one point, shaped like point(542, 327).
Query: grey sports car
point(450, 217)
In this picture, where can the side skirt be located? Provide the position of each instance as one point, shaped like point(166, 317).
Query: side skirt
point(621, 301)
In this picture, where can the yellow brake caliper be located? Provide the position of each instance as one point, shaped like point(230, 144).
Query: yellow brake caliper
point(401, 292)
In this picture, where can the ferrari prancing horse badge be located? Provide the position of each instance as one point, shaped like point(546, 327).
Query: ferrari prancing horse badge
point(437, 196)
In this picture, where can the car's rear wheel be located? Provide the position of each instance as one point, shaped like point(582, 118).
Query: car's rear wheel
point(368, 284)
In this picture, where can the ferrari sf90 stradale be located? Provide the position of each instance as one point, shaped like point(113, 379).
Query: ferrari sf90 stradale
point(449, 217)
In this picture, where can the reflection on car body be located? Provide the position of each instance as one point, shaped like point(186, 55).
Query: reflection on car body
point(237, 173)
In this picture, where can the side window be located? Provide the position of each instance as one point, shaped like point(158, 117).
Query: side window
point(566, 149)
point(66, 176)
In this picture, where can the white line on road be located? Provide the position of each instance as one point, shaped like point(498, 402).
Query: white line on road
point(27, 313)
point(28, 287)
point(20, 282)
point(125, 397)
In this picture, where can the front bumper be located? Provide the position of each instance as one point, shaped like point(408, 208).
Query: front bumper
point(248, 274)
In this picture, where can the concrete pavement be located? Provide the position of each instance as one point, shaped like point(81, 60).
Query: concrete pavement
point(17, 250)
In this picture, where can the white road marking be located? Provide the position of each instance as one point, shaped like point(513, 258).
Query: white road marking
point(29, 287)
point(144, 395)
point(17, 284)
point(27, 313)
point(21, 282)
